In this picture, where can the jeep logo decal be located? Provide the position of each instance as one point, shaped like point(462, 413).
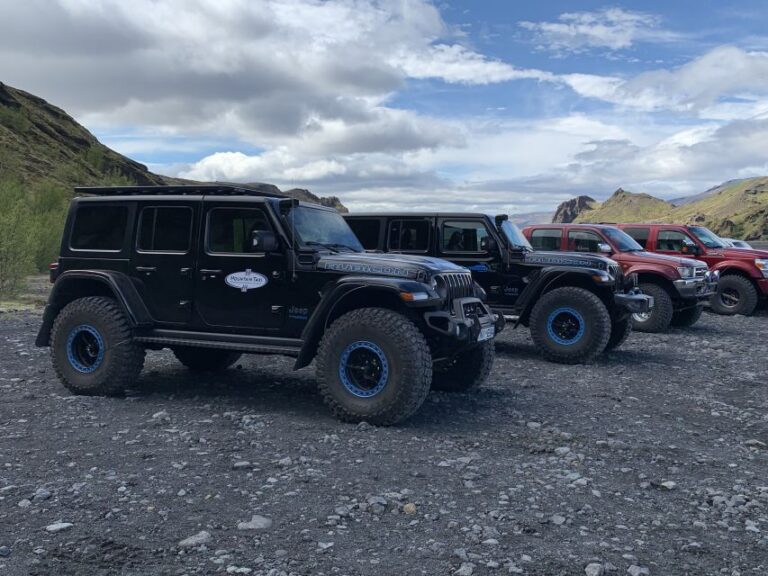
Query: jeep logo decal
point(246, 280)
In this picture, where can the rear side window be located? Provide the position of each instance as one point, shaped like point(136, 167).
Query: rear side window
point(464, 236)
point(546, 239)
point(230, 229)
point(409, 235)
point(165, 229)
point(583, 241)
point(367, 231)
point(672, 241)
point(100, 228)
point(640, 235)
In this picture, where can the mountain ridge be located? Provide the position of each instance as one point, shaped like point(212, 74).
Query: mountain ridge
point(735, 208)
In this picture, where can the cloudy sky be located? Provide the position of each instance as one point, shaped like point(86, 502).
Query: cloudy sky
point(411, 104)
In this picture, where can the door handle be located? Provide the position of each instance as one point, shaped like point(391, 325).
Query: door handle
point(146, 269)
point(210, 273)
point(185, 271)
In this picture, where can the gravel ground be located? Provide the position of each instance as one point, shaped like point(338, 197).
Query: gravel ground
point(651, 461)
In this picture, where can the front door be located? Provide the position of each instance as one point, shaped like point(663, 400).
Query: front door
point(163, 262)
point(675, 243)
point(469, 243)
point(237, 287)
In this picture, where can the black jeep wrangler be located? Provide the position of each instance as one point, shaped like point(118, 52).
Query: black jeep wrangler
point(215, 271)
point(576, 305)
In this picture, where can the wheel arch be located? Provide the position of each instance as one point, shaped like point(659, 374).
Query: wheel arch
point(551, 279)
point(343, 298)
point(72, 285)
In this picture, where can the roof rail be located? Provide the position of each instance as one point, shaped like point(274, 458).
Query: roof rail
point(184, 189)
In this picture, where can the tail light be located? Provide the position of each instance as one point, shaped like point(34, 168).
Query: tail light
point(53, 269)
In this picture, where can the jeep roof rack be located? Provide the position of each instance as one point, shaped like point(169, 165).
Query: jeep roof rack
point(183, 189)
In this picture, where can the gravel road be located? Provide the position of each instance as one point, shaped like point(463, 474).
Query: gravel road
point(652, 461)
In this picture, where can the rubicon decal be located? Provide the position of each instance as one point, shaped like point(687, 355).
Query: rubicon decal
point(246, 280)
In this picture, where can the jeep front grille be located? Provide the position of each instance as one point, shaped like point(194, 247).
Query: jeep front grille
point(458, 285)
point(615, 271)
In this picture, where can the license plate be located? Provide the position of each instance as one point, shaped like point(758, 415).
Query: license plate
point(486, 334)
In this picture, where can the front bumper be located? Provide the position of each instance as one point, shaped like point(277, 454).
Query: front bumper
point(466, 320)
point(634, 302)
point(698, 288)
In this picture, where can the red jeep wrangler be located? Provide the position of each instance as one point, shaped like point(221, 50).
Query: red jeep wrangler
point(680, 287)
point(743, 273)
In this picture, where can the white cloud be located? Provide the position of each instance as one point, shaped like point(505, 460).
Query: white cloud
point(610, 28)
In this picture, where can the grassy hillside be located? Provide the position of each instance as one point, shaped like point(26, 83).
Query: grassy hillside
point(44, 154)
point(737, 209)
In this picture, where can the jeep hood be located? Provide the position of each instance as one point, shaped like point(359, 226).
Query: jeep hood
point(395, 265)
point(653, 258)
point(578, 259)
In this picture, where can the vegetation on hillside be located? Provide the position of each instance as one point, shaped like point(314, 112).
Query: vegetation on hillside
point(738, 209)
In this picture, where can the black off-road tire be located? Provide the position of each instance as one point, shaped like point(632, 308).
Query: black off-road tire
point(400, 347)
point(688, 317)
point(467, 371)
point(205, 359)
point(735, 295)
point(92, 348)
point(594, 325)
point(620, 331)
point(660, 316)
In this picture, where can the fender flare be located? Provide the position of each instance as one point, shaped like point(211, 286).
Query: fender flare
point(742, 266)
point(65, 290)
point(333, 295)
point(539, 283)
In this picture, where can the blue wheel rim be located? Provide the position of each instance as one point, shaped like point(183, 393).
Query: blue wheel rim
point(363, 369)
point(565, 325)
point(85, 348)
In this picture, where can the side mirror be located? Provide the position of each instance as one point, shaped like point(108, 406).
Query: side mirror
point(263, 241)
point(604, 248)
point(488, 244)
point(690, 249)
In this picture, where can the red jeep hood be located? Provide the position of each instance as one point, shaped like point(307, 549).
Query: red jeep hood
point(739, 253)
point(652, 258)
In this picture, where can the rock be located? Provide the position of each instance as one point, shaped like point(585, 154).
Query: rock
point(753, 443)
point(466, 569)
point(5, 551)
point(324, 545)
point(196, 540)
point(410, 508)
point(25, 503)
point(557, 519)
point(162, 415)
point(256, 523)
point(58, 527)
point(241, 464)
point(669, 485)
point(594, 569)
point(562, 450)
point(238, 570)
point(285, 461)
point(491, 542)
point(534, 425)
point(636, 570)
point(42, 494)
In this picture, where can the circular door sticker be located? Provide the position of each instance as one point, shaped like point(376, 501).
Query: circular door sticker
point(246, 280)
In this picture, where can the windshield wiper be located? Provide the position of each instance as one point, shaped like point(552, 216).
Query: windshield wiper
point(331, 247)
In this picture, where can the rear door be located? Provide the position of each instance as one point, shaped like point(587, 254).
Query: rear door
point(547, 239)
point(413, 235)
point(369, 231)
point(235, 287)
point(163, 259)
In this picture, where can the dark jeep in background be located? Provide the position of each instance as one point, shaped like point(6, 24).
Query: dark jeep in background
point(680, 287)
point(743, 273)
point(576, 305)
point(215, 271)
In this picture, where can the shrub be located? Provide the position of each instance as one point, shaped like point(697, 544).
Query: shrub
point(17, 246)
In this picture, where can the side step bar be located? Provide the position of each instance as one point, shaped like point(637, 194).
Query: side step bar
point(247, 344)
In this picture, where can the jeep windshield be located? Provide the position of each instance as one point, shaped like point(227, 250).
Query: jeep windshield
point(707, 237)
point(322, 228)
point(622, 241)
point(514, 236)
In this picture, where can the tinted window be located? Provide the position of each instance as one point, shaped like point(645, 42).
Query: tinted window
point(165, 229)
point(465, 236)
point(230, 229)
point(707, 237)
point(583, 241)
point(672, 241)
point(621, 240)
point(409, 235)
point(99, 228)
point(546, 239)
point(367, 231)
point(640, 235)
